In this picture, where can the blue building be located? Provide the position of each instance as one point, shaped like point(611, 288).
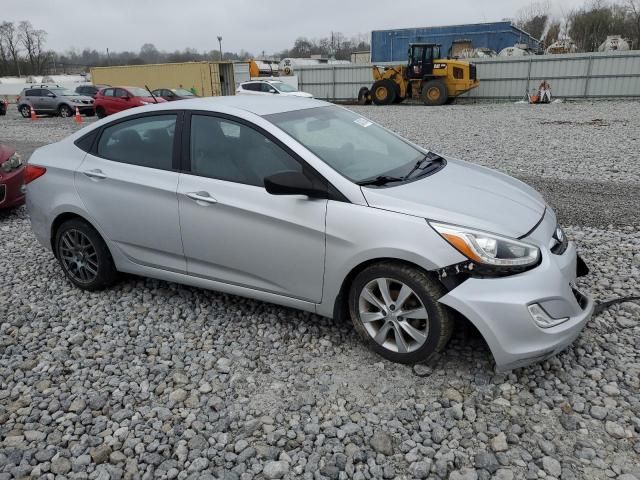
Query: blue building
point(392, 45)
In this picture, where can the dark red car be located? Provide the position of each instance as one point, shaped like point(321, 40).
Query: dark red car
point(11, 178)
point(116, 99)
point(3, 106)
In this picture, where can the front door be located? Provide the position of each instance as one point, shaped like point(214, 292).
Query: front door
point(235, 232)
point(128, 184)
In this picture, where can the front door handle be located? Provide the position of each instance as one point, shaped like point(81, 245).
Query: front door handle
point(201, 197)
point(97, 174)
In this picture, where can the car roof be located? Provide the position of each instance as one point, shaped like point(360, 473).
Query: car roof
point(258, 105)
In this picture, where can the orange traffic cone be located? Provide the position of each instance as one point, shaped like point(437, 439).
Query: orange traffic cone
point(33, 114)
point(78, 116)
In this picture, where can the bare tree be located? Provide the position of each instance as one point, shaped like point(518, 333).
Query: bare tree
point(633, 9)
point(533, 18)
point(33, 42)
point(11, 42)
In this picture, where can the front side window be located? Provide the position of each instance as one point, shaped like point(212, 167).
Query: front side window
point(228, 150)
point(352, 145)
point(283, 87)
point(146, 142)
point(32, 93)
point(139, 92)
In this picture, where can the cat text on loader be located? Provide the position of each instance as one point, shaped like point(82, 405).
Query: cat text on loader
point(426, 77)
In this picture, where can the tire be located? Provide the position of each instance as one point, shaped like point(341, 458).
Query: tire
point(79, 248)
point(100, 112)
point(434, 93)
point(383, 92)
point(65, 111)
point(25, 111)
point(431, 323)
point(364, 96)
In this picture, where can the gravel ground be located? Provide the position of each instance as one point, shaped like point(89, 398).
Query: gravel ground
point(157, 380)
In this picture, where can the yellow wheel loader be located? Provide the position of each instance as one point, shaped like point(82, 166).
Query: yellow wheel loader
point(426, 77)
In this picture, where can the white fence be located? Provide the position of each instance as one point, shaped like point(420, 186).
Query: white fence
point(582, 75)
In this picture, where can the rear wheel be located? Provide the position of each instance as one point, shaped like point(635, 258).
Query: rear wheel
point(65, 111)
point(83, 255)
point(89, 113)
point(100, 112)
point(395, 308)
point(364, 96)
point(383, 92)
point(25, 111)
point(434, 93)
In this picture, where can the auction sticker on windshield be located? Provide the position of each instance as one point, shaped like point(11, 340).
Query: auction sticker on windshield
point(363, 121)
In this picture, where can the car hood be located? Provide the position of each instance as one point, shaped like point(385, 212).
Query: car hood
point(467, 195)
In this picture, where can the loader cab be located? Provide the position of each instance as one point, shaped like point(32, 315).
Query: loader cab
point(421, 57)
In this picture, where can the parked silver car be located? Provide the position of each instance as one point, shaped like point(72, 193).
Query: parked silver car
point(309, 205)
point(53, 100)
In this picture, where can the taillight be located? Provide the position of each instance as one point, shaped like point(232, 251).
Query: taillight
point(32, 172)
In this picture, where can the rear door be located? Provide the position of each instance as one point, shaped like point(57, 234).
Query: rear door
point(128, 184)
point(107, 100)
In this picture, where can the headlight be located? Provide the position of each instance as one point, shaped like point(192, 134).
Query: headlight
point(14, 162)
point(488, 249)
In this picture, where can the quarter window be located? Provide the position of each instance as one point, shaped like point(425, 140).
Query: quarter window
point(146, 141)
point(234, 152)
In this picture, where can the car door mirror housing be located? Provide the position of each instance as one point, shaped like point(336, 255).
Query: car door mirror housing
point(273, 90)
point(294, 183)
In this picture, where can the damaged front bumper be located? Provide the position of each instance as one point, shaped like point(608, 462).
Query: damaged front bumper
point(530, 316)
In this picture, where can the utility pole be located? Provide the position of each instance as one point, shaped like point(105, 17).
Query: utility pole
point(220, 45)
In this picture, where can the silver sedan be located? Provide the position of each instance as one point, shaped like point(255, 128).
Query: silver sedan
point(309, 205)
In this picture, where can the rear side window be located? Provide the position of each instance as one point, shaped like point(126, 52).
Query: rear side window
point(146, 142)
point(227, 150)
point(108, 92)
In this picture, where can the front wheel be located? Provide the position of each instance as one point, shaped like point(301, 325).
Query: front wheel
point(383, 92)
point(100, 112)
point(394, 307)
point(25, 111)
point(65, 111)
point(83, 255)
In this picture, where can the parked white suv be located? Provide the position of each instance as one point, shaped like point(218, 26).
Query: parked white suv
point(269, 87)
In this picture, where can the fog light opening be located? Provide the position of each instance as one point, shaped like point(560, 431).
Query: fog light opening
point(542, 318)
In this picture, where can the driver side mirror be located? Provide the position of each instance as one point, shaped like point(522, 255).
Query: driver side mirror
point(273, 90)
point(294, 183)
point(51, 95)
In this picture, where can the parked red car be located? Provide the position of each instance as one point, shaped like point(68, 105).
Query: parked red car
point(11, 178)
point(116, 99)
point(3, 106)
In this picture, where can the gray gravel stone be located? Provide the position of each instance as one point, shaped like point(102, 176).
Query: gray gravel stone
point(551, 466)
point(275, 469)
point(382, 442)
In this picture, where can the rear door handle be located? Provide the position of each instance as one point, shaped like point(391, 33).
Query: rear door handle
point(201, 197)
point(97, 174)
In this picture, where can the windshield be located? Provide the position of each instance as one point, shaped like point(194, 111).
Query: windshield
point(138, 92)
point(64, 92)
point(354, 146)
point(182, 92)
point(283, 87)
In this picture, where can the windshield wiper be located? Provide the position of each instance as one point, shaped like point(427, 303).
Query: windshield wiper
point(380, 180)
point(420, 164)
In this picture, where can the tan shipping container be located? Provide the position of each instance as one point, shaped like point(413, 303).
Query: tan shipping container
point(207, 78)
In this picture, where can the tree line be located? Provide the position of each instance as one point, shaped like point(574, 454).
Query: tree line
point(23, 47)
point(587, 26)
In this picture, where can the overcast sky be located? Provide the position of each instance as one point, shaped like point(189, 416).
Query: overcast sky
point(252, 25)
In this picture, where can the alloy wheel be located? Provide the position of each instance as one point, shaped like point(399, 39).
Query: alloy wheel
point(393, 315)
point(78, 256)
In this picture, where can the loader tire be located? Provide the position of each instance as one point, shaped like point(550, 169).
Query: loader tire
point(364, 96)
point(434, 93)
point(383, 92)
